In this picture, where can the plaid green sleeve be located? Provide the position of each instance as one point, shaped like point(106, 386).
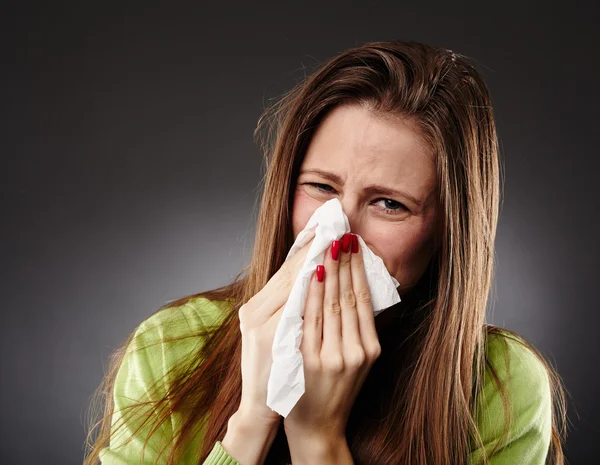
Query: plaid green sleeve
point(528, 388)
point(144, 376)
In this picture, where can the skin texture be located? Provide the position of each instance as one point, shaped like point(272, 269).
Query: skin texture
point(339, 346)
point(356, 149)
point(363, 149)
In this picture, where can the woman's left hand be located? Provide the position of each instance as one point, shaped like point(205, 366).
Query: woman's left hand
point(339, 346)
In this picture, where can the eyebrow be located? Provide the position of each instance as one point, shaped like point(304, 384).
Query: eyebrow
point(373, 189)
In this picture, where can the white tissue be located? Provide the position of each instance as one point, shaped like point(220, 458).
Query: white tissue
point(328, 223)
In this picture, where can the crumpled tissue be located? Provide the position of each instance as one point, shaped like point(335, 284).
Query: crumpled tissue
point(328, 223)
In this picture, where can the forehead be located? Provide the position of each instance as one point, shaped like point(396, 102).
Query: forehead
point(362, 146)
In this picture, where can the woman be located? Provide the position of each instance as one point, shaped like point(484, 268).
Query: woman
point(403, 135)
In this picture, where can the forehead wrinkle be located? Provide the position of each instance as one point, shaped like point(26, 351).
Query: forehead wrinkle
point(370, 150)
point(375, 187)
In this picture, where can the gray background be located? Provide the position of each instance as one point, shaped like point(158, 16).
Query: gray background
point(129, 176)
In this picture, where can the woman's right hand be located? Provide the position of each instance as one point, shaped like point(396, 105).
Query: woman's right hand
point(258, 321)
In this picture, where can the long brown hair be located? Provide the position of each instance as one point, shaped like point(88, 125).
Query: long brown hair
point(421, 407)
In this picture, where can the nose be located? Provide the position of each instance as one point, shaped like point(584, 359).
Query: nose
point(356, 217)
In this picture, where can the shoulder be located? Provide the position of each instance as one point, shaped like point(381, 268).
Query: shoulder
point(516, 364)
point(514, 406)
point(163, 346)
point(171, 321)
point(168, 340)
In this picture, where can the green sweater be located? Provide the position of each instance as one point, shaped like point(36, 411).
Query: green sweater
point(527, 384)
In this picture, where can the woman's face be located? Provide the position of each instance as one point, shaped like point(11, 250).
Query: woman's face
point(385, 179)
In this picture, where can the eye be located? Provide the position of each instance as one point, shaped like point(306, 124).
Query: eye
point(321, 187)
point(390, 207)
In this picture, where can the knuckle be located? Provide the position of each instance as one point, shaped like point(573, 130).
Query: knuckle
point(374, 351)
point(344, 261)
point(333, 307)
point(251, 304)
point(245, 308)
point(364, 296)
point(348, 299)
point(333, 364)
point(314, 320)
point(356, 358)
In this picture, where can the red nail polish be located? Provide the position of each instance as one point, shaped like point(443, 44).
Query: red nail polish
point(354, 243)
point(320, 273)
point(335, 249)
point(346, 240)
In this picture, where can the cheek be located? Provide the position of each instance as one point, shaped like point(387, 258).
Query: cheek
point(403, 249)
point(303, 209)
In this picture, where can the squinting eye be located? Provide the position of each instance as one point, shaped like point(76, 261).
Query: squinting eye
point(391, 207)
point(320, 186)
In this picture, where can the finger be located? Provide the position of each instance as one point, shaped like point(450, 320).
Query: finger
point(332, 325)
point(364, 307)
point(313, 315)
point(349, 316)
point(277, 290)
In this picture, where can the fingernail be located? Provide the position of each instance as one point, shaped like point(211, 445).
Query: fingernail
point(320, 273)
point(335, 250)
point(354, 243)
point(346, 240)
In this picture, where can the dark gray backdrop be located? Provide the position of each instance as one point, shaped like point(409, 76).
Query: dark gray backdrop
point(129, 176)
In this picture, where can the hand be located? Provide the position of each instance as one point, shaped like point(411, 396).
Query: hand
point(339, 346)
point(258, 321)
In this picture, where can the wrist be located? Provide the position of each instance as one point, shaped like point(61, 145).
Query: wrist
point(310, 448)
point(248, 440)
point(248, 423)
